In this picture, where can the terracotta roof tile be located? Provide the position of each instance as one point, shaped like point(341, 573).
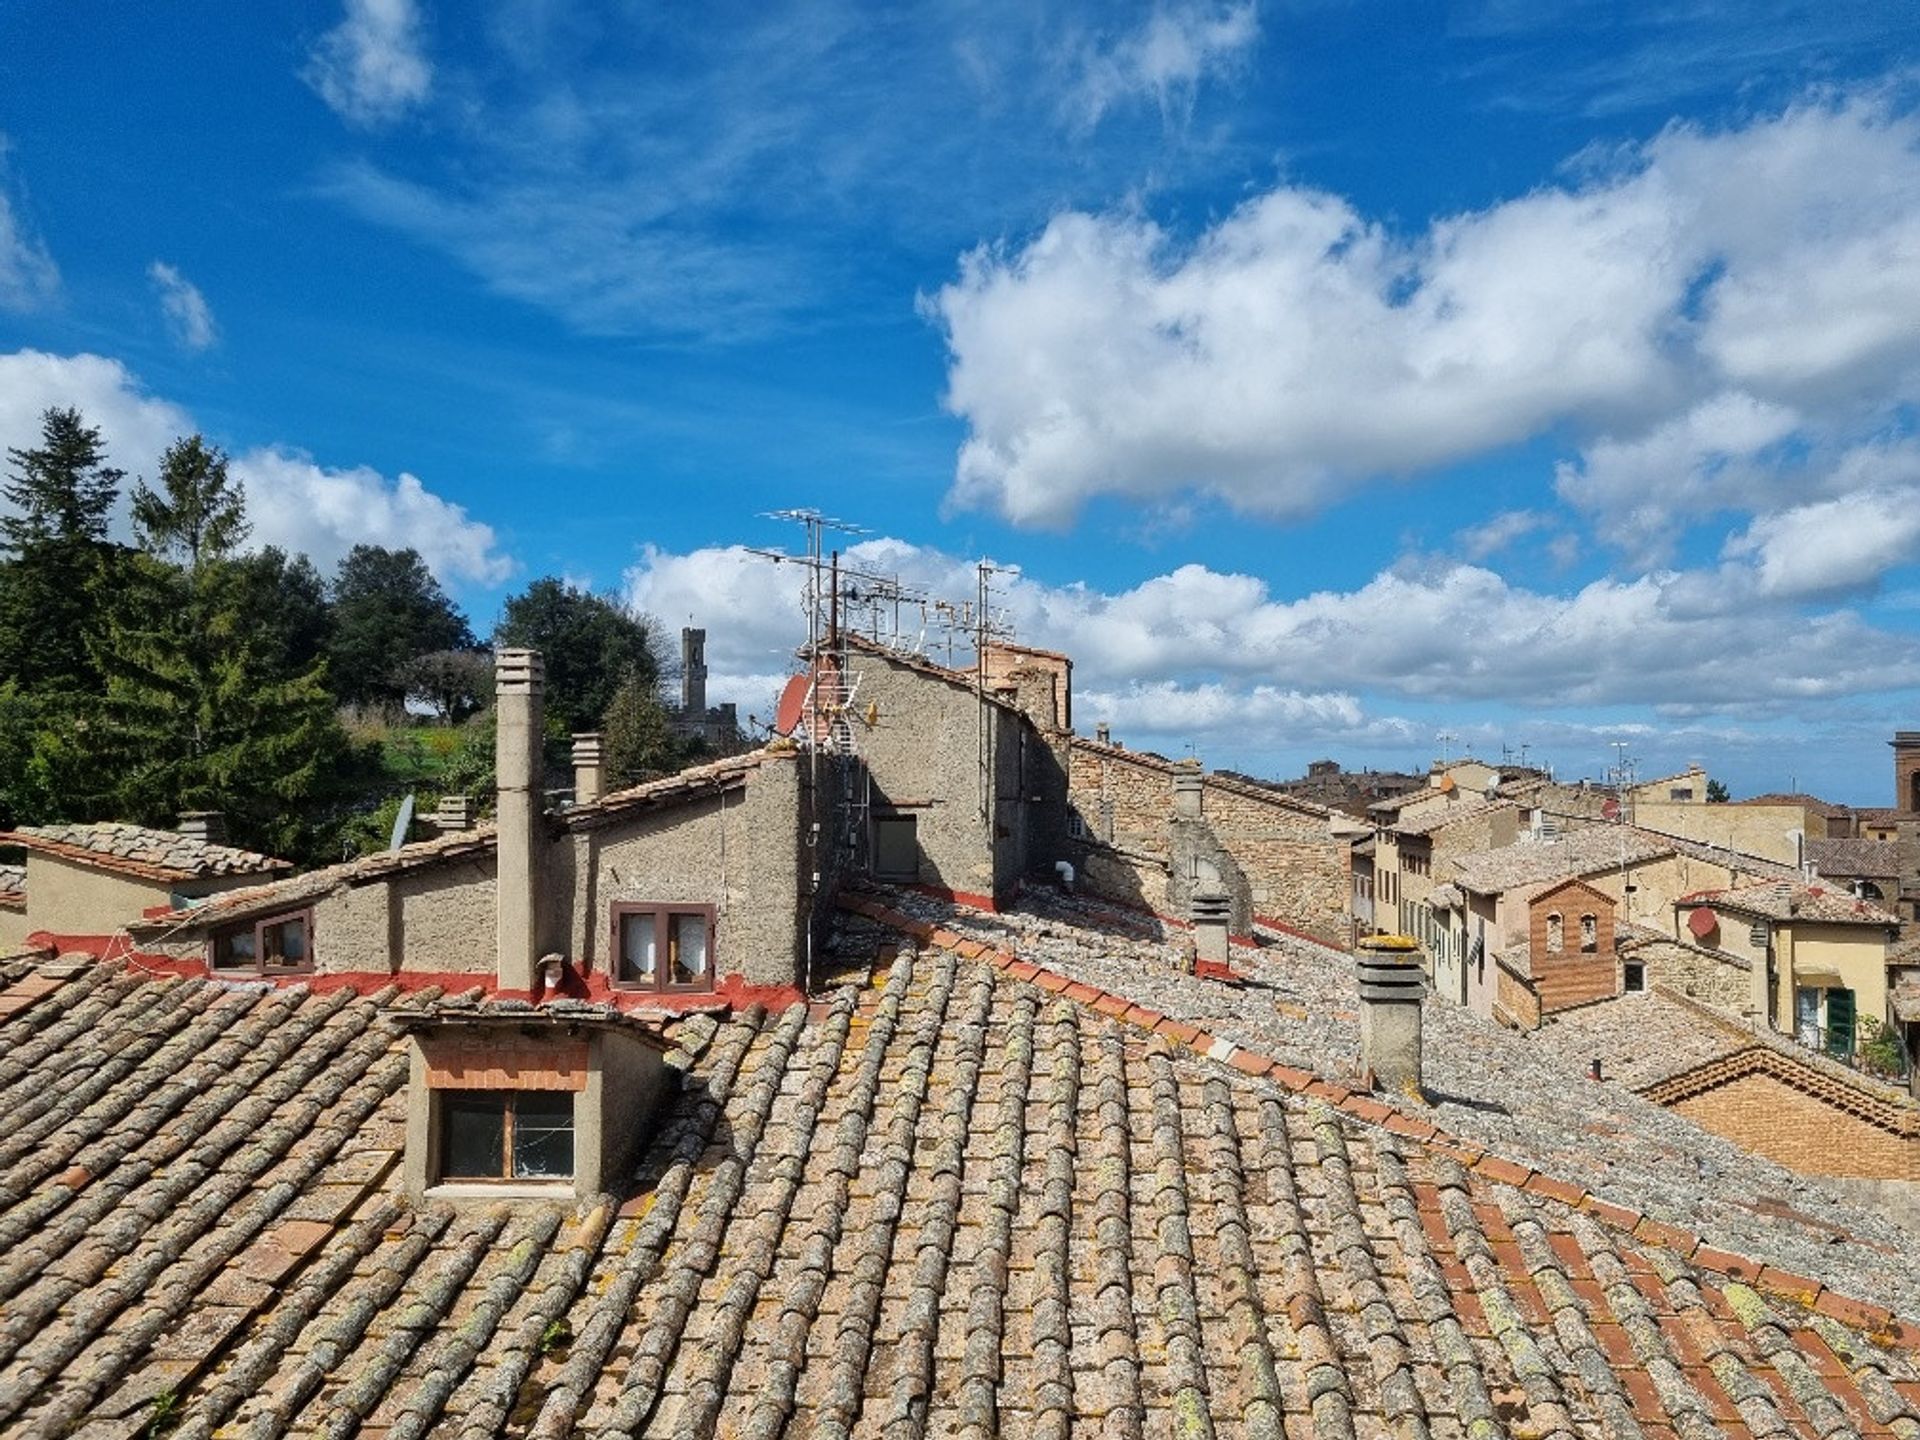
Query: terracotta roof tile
point(953, 1204)
point(136, 849)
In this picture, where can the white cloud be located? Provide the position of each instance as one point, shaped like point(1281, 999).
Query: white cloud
point(1499, 532)
point(293, 501)
point(1832, 547)
point(370, 68)
point(299, 505)
point(28, 276)
point(188, 314)
point(1164, 60)
point(1297, 348)
point(1187, 642)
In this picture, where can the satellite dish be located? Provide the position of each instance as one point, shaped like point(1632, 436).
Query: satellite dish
point(402, 823)
point(793, 704)
point(1610, 808)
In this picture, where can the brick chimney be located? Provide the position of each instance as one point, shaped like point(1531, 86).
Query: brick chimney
point(1390, 990)
point(519, 680)
point(208, 826)
point(589, 768)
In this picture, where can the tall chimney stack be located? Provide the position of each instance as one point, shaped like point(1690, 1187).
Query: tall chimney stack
point(589, 768)
point(1390, 989)
point(519, 679)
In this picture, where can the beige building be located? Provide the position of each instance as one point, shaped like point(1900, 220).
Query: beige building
point(1818, 960)
point(83, 884)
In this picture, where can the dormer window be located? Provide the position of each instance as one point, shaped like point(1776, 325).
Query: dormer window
point(507, 1135)
point(663, 947)
point(276, 945)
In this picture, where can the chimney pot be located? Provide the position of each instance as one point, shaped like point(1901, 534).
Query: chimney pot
point(589, 767)
point(454, 813)
point(209, 826)
point(1188, 791)
point(1212, 913)
point(1390, 991)
point(1103, 733)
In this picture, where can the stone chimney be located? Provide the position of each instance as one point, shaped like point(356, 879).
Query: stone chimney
point(1212, 914)
point(589, 768)
point(208, 826)
point(1188, 790)
point(1102, 733)
point(693, 671)
point(1390, 989)
point(519, 680)
point(454, 813)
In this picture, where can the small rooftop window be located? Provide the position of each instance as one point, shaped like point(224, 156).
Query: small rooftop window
point(507, 1135)
point(278, 944)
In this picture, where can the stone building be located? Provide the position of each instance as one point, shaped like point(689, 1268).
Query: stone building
point(715, 726)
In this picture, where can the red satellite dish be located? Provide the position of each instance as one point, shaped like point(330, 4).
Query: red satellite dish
point(1610, 809)
point(1703, 922)
point(793, 705)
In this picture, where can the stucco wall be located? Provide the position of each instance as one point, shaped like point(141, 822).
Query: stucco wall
point(1751, 829)
point(67, 898)
point(13, 929)
point(1857, 953)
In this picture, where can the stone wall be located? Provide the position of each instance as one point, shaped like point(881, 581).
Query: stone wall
point(1717, 980)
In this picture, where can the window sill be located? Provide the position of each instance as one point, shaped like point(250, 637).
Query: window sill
point(458, 1190)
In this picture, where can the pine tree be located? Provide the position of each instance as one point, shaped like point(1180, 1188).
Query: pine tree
point(61, 494)
point(198, 513)
point(64, 490)
point(637, 743)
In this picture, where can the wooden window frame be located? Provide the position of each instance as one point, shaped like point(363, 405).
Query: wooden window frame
point(662, 911)
point(257, 927)
point(508, 1115)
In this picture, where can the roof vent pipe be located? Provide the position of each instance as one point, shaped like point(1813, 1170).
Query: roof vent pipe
point(1390, 990)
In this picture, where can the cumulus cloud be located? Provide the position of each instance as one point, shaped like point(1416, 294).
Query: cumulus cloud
point(371, 67)
point(1832, 547)
point(293, 501)
point(1163, 61)
point(1447, 633)
point(1499, 532)
point(188, 314)
point(28, 276)
point(1297, 348)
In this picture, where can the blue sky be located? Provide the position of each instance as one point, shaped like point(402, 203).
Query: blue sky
point(1338, 374)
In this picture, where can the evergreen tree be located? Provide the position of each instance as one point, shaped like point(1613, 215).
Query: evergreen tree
point(638, 745)
point(64, 490)
point(591, 645)
point(55, 542)
point(388, 610)
point(287, 598)
point(198, 513)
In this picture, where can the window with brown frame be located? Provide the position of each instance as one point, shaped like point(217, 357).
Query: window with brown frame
point(663, 947)
point(277, 944)
point(506, 1134)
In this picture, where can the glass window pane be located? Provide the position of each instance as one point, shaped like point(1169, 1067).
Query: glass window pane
point(233, 950)
point(689, 949)
point(285, 942)
point(543, 1135)
point(638, 965)
point(475, 1127)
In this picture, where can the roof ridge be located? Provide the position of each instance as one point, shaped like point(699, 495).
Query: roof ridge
point(1802, 1289)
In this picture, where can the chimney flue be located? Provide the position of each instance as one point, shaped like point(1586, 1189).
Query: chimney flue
point(589, 768)
point(454, 813)
point(1103, 733)
point(1188, 791)
point(208, 826)
point(519, 683)
point(1212, 914)
point(1390, 989)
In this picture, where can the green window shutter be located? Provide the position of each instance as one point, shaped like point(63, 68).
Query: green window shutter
point(1840, 1022)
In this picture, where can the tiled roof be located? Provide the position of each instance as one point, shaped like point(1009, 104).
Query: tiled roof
point(13, 880)
point(1590, 851)
point(685, 785)
point(164, 855)
point(1872, 859)
point(1811, 803)
point(1446, 815)
point(1792, 902)
point(952, 1203)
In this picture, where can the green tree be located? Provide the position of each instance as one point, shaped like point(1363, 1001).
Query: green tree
point(54, 540)
point(454, 683)
point(1717, 793)
point(287, 599)
point(198, 513)
point(388, 610)
point(638, 744)
point(592, 646)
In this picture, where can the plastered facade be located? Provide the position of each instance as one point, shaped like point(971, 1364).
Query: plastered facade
point(1764, 830)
